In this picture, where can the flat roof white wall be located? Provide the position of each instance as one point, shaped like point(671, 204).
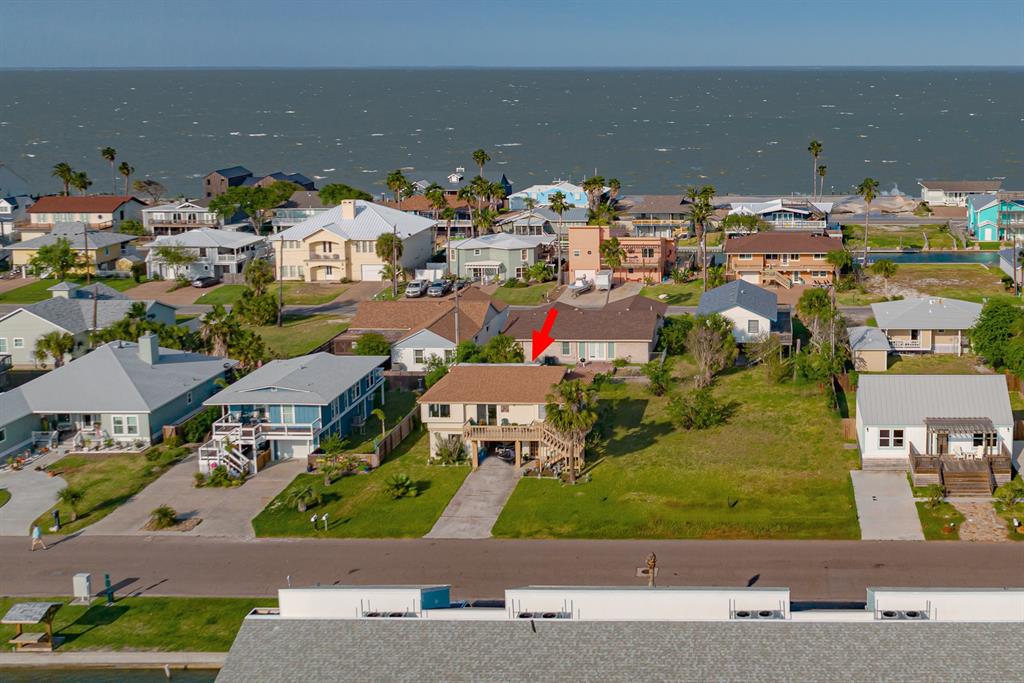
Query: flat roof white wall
point(351, 602)
point(952, 604)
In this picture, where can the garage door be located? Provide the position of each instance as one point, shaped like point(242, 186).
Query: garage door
point(371, 272)
point(751, 277)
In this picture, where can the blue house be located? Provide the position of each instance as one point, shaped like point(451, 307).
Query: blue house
point(541, 194)
point(995, 217)
point(285, 408)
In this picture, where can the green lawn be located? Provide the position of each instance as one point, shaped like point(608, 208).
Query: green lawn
point(524, 296)
point(5, 496)
point(107, 481)
point(904, 237)
point(1008, 514)
point(934, 519)
point(36, 291)
point(359, 507)
point(295, 293)
point(778, 469)
point(935, 364)
point(147, 623)
point(300, 334)
point(397, 404)
point(713, 239)
point(685, 294)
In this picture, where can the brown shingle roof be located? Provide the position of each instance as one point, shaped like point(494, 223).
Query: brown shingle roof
point(633, 319)
point(498, 383)
point(962, 185)
point(100, 203)
point(772, 242)
point(406, 316)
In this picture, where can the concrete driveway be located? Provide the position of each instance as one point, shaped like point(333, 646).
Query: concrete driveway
point(15, 283)
point(158, 290)
point(475, 507)
point(885, 507)
point(32, 494)
point(226, 512)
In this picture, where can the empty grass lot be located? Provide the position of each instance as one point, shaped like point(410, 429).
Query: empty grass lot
point(300, 334)
point(684, 294)
point(147, 623)
point(937, 364)
point(524, 296)
point(295, 293)
point(776, 470)
point(397, 404)
point(36, 291)
point(965, 281)
point(358, 505)
point(902, 237)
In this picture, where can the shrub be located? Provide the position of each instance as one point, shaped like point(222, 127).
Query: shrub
point(154, 454)
point(401, 486)
point(699, 410)
point(515, 283)
point(333, 444)
point(302, 497)
point(659, 376)
point(449, 450)
point(200, 479)
point(673, 334)
point(219, 477)
point(934, 494)
point(172, 441)
point(1011, 494)
point(372, 344)
point(198, 427)
point(163, 517)
point(71, 497)
point(620, 363)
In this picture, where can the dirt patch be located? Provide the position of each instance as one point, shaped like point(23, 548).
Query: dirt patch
point(981, 523)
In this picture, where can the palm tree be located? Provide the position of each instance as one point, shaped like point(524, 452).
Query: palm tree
point(700, 211)
point(380, 415)
point(467, 193)
point(815, 149)
point(300, 497)
point(64, 171)
point(80, 181)
point(612, 253)
point(54, 345)
point(481, 157)
point(572, 410)
point(110, 155)
point(248, 349)
point(868, 190)
point(218, 329)
point(71, 497)
point(389, 249)
point(397, 183)
point(126, 170)
point(594, 187)
point(822, 170)
point(448, 215)
point(484, 221)
point(614, 186)
point(559, 205)
point(438, 201)
point(495, 195)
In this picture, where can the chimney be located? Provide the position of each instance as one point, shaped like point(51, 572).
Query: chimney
point(149, 348)
point(348, 209)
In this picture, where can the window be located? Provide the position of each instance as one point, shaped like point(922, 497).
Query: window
point(521, 273)
point(125, 425)
point(890, 438)
point(794, 257)
point(440, 410)
point(504, 408)
point(524, 254)
point(476, 252)
point(753, 326)
point(575, 252)
point(288, 414)
point(819, 257)
point(746, 257)
point(647, 252)
point(19, 342)
point(984, 440)
point(417, 355)
point(188, 398)
point(566, 348)
point(329, 270)
point(3, 344)
point(3, 435)
point(611, 349)
point(449, 355)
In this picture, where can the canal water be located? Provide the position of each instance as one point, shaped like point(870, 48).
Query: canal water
point(104, 676)
point(987, 257)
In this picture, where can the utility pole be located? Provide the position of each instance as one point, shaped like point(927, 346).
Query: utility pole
point(456, 319)
point(394, 261)
point(280, 283)
point(88, 274)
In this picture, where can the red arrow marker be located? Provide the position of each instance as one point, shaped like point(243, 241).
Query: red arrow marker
point(542, 338)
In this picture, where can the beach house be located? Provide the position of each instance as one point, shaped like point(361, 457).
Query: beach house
point(927, 325)
point(181, 216)
point(282, 409)
point(541, 194)
point(97, 211)
point(221, 253)
point(754, 311)
point(100, 249)
point(643, 259)
point(782, 259)
point(995, 217)
point(500, 256)
point(955, 192)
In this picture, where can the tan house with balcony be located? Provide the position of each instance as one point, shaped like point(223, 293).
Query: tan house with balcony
point(105, 248)
point(493, 406)
point(927, 325)
point(340, 243)
point(646, 258)
point(97, 212)
point(782, 259)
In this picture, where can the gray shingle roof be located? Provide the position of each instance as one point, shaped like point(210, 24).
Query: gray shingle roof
point(746, 295)
point(868, 339)
point(315, 379)
point(234, 171)
point(370, 222)
point(76, 240)
point(75, 315)
point(932, 313)
point(422, 650)
point(909, 399)
point(114, 378)
point(13, 406)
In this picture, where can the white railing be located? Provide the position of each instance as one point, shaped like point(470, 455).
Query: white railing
point(798, 224)
point(233, 427)
point(905, 344)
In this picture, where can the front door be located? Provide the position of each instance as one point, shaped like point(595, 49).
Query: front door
point(941, 443)
point(785, 259)
point(487, 413)
point(596, 350)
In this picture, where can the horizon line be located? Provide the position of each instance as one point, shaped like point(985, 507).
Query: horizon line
point(759, 67)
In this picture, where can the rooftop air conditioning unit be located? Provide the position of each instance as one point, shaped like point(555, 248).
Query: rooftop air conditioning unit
point(903, 615)
point(750, 614)
point(544, 615)
point(389, 615)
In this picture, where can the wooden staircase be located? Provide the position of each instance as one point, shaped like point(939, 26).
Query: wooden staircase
point(770, 275)
point(968, 484)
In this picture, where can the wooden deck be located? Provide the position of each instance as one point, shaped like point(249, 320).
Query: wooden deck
point(961, 476)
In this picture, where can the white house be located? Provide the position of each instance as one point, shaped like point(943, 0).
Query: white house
point(180, 216)
point(753, 311)
point(216, 252)
point(955, 192)
point(962, 419)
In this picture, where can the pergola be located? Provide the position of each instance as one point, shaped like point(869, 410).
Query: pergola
point(939, 429)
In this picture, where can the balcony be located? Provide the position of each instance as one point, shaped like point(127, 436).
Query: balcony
point(325, 256)
point(906, 344)
point(799, 224)
point(248, 431)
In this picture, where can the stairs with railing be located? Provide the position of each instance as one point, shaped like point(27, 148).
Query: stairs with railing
point(770, 275)
point(556, 448)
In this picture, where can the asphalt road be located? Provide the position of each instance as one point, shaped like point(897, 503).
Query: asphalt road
point(813, 570)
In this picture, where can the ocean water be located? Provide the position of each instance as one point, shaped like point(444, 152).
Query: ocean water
point(657, 130)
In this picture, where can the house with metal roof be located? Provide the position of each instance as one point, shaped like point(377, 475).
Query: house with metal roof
point(187, 214)
point(71, 310)
point(955, 192)
point(753, 311)
point(928, 324)
point(340, 243)
point(870, 349)
point(283, 409)
point(500, 256)
point(955, 430)
point(214, 252)
point(220, 181)
point(995, 217)
point(124, 392)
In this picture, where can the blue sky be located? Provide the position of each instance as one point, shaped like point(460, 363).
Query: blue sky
point(315, 33)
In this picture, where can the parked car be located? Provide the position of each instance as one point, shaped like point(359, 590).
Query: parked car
point(416, 288)
point(461, 284)
point(206, 281)
point(439, 288)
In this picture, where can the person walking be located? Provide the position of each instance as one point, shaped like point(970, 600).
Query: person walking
point(37, 538)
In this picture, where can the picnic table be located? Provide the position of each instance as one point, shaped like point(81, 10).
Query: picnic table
point(24, 614)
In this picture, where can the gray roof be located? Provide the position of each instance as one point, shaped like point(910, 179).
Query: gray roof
point(28, 612)
point(746, 295)
point(314, 651)
point(13, 406)
point(75, 315)
point(900, 400)
point(932, 313)
point(868, 339)
point(315, 379)
point(114, 378)
point(207, 238)
point(504, 240)
point(97, 240)
point(233, 171)
point(370, 222)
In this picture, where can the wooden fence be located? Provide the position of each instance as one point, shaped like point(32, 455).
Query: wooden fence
point(389, 442)
point(849, 428)
point(1013, 383)
point(1018, 430)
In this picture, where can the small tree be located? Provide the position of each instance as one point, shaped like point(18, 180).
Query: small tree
point(163, 517)
point(659, 376)
point(301, 497)
point(934, 495)
point(998, 323)
point(176, 257)
point(334, 193)
point(502, 348)
point(841, 260)
point(131, 226)
point(436, 368)
point(71, 497)
point(372, 344)
point(449, 450)
point(333, 444)
point(150, 187)
point(884, 268)
point(401, 486)
point(59, 258)
point(712, 345)
point(571, 409)
point(672, 336)
point(389, 249)
point(698, 409)
point(612, 253)
point(382, 416)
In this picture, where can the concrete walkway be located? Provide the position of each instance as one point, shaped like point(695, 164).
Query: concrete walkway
point(476, 505)
point(32, 494)
point(981, 523)
point(226, 512)
point(885, 507)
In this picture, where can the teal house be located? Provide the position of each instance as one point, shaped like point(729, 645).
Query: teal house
point(499, 256)
point(994, 217)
